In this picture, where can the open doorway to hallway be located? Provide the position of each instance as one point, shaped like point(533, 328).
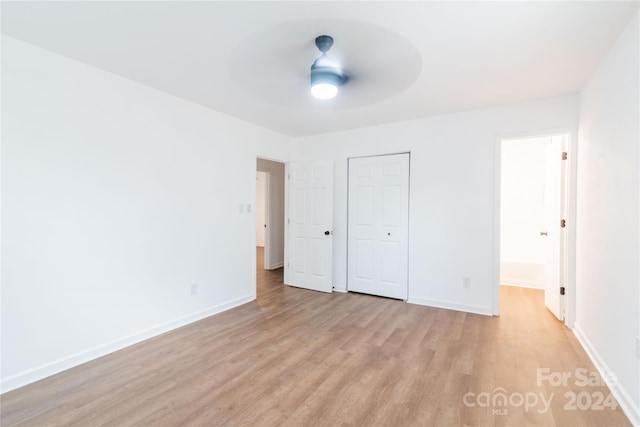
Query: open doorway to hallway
point(270, 214)
point(534, 199)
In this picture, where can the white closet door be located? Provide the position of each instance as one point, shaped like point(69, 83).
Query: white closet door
point(378, 228)
point(310, 226)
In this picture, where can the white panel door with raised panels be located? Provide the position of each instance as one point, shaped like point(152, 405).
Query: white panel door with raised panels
point(378, 228)
point(309, 225)
point(553, 233)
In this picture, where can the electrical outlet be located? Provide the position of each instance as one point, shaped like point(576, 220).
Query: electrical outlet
point(466, 282)
point(194, 289)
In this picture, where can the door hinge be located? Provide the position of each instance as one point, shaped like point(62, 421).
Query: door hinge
point(287, 265)
point(288, 220)
point(563, 223)
point(289, 176)
point(561, 290)
point(564, 155)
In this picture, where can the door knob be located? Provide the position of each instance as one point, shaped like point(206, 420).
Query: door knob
point(326, 233)
point(543, 233)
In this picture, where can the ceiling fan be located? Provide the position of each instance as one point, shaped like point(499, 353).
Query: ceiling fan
point(326, 74)
point(346, 73)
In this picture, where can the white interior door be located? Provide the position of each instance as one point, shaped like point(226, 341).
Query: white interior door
point(552, 233)
point(378, 233)
point(310, 226)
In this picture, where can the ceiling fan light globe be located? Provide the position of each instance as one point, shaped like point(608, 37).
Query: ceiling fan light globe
point(325, 82)
point(324, 90)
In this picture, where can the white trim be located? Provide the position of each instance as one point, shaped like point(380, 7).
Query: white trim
point(523, 284)
point(342, 289)
point(497, 185)
point(35, 374)
point(628, 406)
point(571, 213)
point(287, 171)
point(473, 309)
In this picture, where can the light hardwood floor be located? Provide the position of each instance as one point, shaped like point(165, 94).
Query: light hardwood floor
point(297, 357)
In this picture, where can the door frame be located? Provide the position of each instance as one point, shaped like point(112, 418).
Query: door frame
point(254, 262)
point(570, 253)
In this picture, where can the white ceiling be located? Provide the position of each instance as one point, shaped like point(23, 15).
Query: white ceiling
point(408, 59)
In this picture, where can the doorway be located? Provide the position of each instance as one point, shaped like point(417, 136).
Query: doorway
point(534, 211)
point(270, 213)
point(261, 207)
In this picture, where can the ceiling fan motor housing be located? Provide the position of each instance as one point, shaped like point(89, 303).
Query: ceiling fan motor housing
point(324, 43)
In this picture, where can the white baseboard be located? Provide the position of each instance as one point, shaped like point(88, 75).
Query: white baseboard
point(628, 406)
point(451, 306)
point(35, 374)
point(276, 265)
point(342, 289)
point(528, 285)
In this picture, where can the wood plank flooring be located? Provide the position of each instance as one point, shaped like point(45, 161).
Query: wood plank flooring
point(301, 358)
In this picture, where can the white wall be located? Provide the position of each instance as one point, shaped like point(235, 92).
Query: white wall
point(452, 192)
point(116, 198)
point(522, 215)
point(276, 212)
point(607, 304)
